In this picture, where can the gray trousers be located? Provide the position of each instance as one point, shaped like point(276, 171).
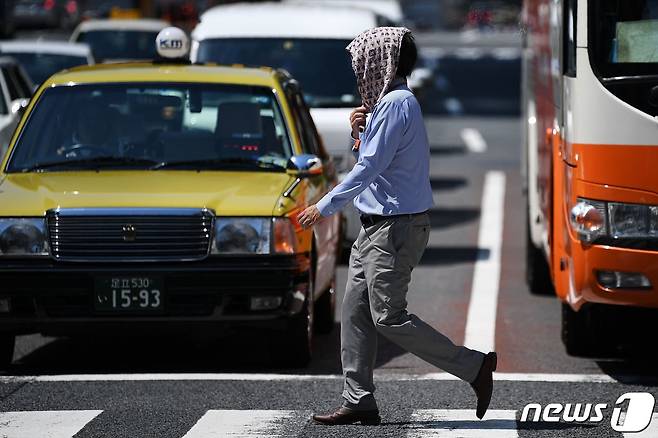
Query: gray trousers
point(381, 262)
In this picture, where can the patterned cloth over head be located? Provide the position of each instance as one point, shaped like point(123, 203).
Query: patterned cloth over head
point(375, 56)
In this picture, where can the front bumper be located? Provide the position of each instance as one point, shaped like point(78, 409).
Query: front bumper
point(585, 260)
point(589, 260)
point(57, 298)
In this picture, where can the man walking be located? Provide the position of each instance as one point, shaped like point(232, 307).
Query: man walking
point(391, 188)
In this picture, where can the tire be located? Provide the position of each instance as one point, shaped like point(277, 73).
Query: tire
point(325, 310)
point(295, 345)
point(577, 332)
point(7, 343)
point(537, 274)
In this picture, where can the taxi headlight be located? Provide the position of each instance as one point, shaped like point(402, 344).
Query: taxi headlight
point(23, 237)
point(242, 236)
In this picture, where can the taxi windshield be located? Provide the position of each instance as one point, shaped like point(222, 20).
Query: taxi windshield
point(120, 44)
point(322, 66)
point(153, 126)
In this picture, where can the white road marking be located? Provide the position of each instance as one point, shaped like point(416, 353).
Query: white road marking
point(649, 432)
point(462, 423)
point(473, 140)
point(381, 377)
point(44, 424)
point(481, 317)
point(249, 424)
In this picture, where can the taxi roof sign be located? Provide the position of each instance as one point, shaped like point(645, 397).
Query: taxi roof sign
point(172, 43)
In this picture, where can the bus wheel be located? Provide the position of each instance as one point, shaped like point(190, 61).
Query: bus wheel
point(537, 274)
point(577, 333)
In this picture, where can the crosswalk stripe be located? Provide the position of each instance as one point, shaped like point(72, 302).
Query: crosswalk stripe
point(649, 432)
point(249, 424)
point(44, 424)
point(462, 423)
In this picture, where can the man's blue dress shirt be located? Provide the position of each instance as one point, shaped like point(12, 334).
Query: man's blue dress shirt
point(391, 175)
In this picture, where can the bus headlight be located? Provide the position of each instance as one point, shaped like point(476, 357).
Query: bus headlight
point(588, 219)
point(23, 237)
point(632, 220)
point(244, 235)
point(615, 220)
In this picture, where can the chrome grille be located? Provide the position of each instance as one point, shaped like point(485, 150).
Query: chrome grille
point(116, 235)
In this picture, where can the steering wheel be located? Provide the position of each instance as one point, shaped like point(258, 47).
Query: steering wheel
point(82, 150)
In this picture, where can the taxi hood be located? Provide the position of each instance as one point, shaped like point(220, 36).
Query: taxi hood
point(226, 193)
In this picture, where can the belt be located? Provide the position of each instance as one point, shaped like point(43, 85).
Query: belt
point(368, 220)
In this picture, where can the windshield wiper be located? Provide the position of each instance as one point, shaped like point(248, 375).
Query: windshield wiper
point(218, 162)
point(104, 160)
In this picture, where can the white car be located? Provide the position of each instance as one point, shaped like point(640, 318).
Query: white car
point(15, 92)
point(119, 40)
point(390, 9)
point(41, 59)
point(309, 41)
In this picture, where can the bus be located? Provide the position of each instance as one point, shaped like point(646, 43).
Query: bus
point(590, 152)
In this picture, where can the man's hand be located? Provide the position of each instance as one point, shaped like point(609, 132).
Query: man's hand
point(309, 217)
point(358, 121)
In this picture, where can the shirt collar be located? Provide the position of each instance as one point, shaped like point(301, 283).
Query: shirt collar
point(398, 83)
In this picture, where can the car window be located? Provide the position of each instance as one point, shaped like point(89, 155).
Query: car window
point(157, 122)
point(309, 132)
point(24, 85)
point(120, 44)
point(40, 66)
point(12, 83)
point(4, 105)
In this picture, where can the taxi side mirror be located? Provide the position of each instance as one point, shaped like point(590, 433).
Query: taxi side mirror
point(304, 166)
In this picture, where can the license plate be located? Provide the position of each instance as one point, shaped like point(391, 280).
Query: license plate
point(129, 294)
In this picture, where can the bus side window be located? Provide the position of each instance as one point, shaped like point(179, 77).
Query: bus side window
point(570, 37)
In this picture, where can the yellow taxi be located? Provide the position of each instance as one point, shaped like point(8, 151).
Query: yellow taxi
point(162, 197)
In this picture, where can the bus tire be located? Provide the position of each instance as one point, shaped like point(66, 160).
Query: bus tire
point(537, 274)
point(576, 331)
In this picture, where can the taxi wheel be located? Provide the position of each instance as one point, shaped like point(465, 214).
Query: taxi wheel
point(7, 343)
point(577, 332)
point(538, 277)
point(295, 345)
point(325, 310)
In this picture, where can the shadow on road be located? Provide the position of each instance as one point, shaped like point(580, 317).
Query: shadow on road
point(451, 255)
point(447, 217)
point(447, 183)
point(447, 150)
point(245, 351)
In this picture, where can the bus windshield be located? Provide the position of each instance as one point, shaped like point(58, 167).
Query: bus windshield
point(623, 36)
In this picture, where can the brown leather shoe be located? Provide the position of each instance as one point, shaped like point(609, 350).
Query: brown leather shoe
point(483, 384)
point(349, 416)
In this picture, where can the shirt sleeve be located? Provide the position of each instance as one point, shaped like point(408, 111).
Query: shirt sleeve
point(378, 147)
